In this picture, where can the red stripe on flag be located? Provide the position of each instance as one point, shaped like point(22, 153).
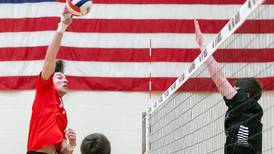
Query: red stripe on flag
point(221, 2)
point(244, 55)
point(28, 24)
point(136, 55)
point(256, 26)
point(122, 84)
point(131, 25)
point(206, 84)
point(170, 1)
point(150, 26)
point(165, 1)
point(17, 82)
point(22, 53)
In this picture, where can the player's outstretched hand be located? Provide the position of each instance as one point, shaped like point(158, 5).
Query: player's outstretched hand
point(66, 17)
point(199, 35)
point(66, 20)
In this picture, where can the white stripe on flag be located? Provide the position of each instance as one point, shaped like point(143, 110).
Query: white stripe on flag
point(133, 69)
point(126, 40)
point(127, 11)
point(123, 11)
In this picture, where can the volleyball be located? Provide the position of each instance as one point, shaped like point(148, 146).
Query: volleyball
point(78, 7)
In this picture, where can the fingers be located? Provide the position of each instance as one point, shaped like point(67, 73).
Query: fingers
point(197, 27)
point(65, 10)
point(71, 135)
point(196, 24)
point(66, 17)
point(199, 35)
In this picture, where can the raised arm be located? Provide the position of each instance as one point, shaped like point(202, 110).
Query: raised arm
point(70, 144)
point(216, 73)
point(53, 48)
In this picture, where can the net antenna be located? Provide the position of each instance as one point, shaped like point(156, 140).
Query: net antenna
point(145, 120)
point(150, 69)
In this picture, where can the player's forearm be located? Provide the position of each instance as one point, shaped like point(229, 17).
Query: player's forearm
point(216, 73)
point(214, 69)
point(50, 58)
point(49, 63)
point(219, 79)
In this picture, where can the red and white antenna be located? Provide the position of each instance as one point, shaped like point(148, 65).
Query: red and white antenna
point(150, 67)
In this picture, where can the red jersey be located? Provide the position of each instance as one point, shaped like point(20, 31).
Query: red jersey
point(48, 120)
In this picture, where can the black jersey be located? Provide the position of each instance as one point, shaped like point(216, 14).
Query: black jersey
point(243, 125)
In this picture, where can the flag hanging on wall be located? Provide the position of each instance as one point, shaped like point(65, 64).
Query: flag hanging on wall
point(109, 48)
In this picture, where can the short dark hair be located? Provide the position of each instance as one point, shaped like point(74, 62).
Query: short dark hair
point(250, 86)
point(59, 66)
point(95, 144)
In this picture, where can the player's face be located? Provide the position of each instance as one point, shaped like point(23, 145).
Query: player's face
point(61, 83)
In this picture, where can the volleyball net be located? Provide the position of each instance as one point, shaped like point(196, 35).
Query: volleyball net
point(186, 119)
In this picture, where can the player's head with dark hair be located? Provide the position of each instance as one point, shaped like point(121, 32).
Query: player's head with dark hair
point(250, 86)
point(59, 78)
point(95, 144)
point(59, 66)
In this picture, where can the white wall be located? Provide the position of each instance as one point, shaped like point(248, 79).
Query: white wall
point(115, 114)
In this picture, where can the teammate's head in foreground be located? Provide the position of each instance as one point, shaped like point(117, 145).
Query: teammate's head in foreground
point(251, 86)
point(95, 144)
point(59, 79)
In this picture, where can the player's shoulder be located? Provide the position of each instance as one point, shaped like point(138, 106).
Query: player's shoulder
point(44, 85)
point(238, 99)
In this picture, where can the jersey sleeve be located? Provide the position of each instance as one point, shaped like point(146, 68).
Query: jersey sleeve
point(239, 102)
point(42, 84)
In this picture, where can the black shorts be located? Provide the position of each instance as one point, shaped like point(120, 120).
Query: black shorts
point(34, 152)
point(241, 150)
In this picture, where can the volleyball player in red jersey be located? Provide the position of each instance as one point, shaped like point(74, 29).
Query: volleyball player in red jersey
point(47, 129)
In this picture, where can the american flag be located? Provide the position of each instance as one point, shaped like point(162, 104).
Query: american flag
point(109, 48)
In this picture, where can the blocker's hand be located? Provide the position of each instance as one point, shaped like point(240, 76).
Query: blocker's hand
point(199, 35)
